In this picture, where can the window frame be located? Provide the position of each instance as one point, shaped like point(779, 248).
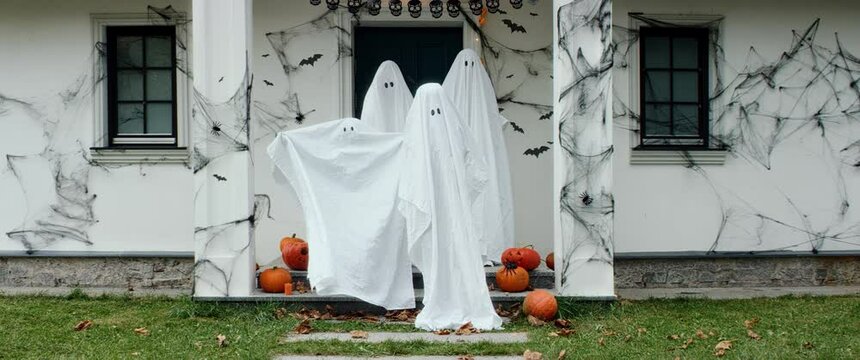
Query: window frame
point(699, 141)
point(116, 140)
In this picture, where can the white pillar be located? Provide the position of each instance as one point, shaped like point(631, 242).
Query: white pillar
point(223, 183)
point(582, 91)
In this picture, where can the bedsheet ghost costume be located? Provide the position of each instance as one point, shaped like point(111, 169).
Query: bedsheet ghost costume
point(387, 100)
point(469, 87)
point(442, 182)
point(346, 178)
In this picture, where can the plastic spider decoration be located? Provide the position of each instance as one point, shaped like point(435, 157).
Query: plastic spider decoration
point(315, 2)
point(332, 4)
point(374, 7)
point(493, 6)
point(476, 6)
point(586, 199)
point(516, 4)
point(414, 7)
point(396, 7)
point(354, 6)
point(454, 8)
point(436, 8)
point(215, 130)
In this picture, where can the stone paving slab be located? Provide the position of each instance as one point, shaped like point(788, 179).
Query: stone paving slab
point(91, 291)
point(734, 293)
point(377, 337)
point(451, 357)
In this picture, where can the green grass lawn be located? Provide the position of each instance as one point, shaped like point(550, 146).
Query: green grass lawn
point(790, 327)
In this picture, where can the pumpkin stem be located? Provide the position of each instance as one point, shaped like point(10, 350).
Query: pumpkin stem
point(294, 235)
point(510, 266)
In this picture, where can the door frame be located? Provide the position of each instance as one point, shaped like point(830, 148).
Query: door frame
point(471, 40)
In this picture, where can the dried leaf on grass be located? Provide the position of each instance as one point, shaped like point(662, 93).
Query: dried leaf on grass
point(673, 337)
point(753, 335)
point(466, 357)
point(808, 345)
point(512, 312)
point(280, 313)
point(532, 355)
point(641, 330)
point(601, 341)
point(466, 329)
point(750, 323)
point(83, 325)
point(358, 334)
point(562, 323)
point(222, 340)
point(687, 344)
point(402, 315)
point(562, 354)
point(533, 321)
point(562, 333)
point(442, 332)
point(303, 327)
point(701, 334)
point(142, 331)
point(721, 347)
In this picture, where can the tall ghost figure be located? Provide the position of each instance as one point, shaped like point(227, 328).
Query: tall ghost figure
point(387, 100)
point(441, 184)
point(470, 89)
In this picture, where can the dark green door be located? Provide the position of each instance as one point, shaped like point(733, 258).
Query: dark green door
point(423, 54)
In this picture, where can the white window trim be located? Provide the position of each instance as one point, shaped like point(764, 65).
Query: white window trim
point(471, 40)
point(670, 157)
point(100, 152)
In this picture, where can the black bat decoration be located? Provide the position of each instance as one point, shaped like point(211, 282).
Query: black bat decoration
point(267, 82)
point(509, 76)
point(219, 177)
point(533, 14)
point(221, 79)
point(265, 55)
point(517, 128)
point(546, 116)
point(536, 151)
point(500, 11)
point(514, 26)
point(311, 60)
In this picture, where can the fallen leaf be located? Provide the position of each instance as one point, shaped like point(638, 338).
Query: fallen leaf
point(601, 342)
point(280, 313)
point(608, 333)
point(300, 287)
point(442, 332)
point(562, 354)
point(358, 334)
point(753, 334)
point(532, 355)
point(673, 337)
point(142, 331)
point(677, 358)
point(750, 323)
point(701, 334)
point(222, 340)
point(687, 343)
point(808, 345)
point(721, 347)
point(83, 325)
point(303, 327)
point(562, 323)
point(198, 345)
point(533, 321)
point(628, 338)
point(553, 334)
point(135, 354)
point(641, 330)
point(466, 329)
point(466, 357)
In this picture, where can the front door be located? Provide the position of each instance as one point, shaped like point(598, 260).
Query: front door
point(423, 54)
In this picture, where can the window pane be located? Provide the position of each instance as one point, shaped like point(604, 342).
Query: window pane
point(158, 51)
point(159, 85)
point(657, 86)
point(129, 85)
point(686, 120)
point(656, 52)
point(685, 54)
point(685, 86)
point(129, 51)
point(130, 119)
point(656, 120)
point(159, 118)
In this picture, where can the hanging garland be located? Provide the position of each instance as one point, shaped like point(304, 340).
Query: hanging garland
point(415, 7)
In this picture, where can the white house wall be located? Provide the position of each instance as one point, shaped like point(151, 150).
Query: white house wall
point(288, 95)
point(792, 185)
point(52, 197)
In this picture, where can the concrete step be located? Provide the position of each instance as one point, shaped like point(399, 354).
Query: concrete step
point(540, 278)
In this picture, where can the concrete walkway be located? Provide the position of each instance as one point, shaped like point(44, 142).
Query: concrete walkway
point(377, 337)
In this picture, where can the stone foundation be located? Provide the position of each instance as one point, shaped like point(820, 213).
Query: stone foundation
point(738, 272)
point(106, 272)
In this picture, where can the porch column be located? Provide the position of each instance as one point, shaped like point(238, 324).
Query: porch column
point(223, 183)
point(583, 153)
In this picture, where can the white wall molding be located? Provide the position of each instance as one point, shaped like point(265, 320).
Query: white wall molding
point(677, 157)
point(122, 156)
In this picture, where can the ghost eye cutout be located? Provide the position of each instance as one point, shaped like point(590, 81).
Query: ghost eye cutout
point(438, 111)
point(392, 84)
point(473, 63)
point(344, 129)
point(467, 63)
point(432, 112)
point(386, 85)
point(352, 128)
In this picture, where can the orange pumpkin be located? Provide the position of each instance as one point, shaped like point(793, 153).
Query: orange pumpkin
point(296, 256)
point(512, 278)
point(273, 280)
point(540, 304)
point(550, 261)
point(289, 240)
point(524, 257)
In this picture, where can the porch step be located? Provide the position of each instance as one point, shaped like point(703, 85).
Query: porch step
point(346, 304)
point(540, 278)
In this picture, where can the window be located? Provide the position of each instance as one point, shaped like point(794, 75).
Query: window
point(673, 87)
point(141, 86)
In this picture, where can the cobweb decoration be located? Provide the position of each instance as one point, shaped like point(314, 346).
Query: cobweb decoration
point(808, 94)
point(221, 128)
